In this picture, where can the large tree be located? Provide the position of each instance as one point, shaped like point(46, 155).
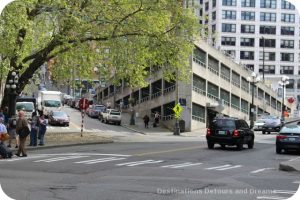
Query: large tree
point(122, 38)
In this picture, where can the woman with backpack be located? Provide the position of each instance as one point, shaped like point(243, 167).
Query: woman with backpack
point(34, 129)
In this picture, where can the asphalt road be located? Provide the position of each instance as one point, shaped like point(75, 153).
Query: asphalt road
point(147, 171)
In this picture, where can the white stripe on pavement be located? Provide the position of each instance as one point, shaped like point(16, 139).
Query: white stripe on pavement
point(20, 158)
point(226, 168)
point(298, 182)
point(174, 165)
point(86, 161)
point(271, 197)
point(128, 163)
point(283, 192)
point(192, 164)
point(83, 154)
point(150, 162)
point(211, 168)
point(101, 161)
point(260, 170)
point(60, 158)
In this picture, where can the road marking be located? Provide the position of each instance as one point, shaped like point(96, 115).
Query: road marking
point(176, 165)
point(211, 168)
point(150, 162)
point(108, 160)
point(60, 158)
point(284, 192)
point(66, 128)
point(271, 197)
point(167, 151)
point(294, 159)
point(20, 158)
point(99, 160)
point(84, 154)
point(50, 127)
point(297, 182)
point(261, 170)
point(131, 164)
point(188, 164)
point(232, 167)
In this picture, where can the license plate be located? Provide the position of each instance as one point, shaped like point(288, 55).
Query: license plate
point(222, 132)
point(292, 139)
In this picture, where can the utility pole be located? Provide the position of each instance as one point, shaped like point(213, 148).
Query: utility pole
point(177, 128)
point(263, 58)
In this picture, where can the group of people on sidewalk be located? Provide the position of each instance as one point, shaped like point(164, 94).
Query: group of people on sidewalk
point(18, 129)
point(146, 119)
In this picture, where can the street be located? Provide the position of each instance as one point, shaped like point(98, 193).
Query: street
point(170, 170)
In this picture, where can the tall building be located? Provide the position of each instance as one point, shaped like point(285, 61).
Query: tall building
point(262, 35)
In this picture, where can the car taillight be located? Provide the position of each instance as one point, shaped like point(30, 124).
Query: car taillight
point(208, 132)
point(236, 133)
point(280, 137)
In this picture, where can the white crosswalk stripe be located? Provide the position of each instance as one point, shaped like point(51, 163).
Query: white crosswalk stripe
point(222, 166)
point(175, 166)
point(101, 160)
point(136, 163)
point(260, 170)
point(60, 158)
point(231, 167)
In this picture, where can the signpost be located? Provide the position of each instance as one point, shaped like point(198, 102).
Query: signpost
point(83, 105)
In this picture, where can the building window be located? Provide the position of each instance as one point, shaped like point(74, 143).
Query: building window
point(269, 69)
point(214, 3)
point(229, 28)
point(249, 16)
point(287, 17)
point(247, 28)
point(251, 67)
point(287, 5)
point(228, 41)
point(286, 70)
point(198, 112)
point(269, 56)
point(214, 15)
point(263, 42)
point(228, 14)
point(213, 28)
point(247, 55)
point(291, 84)
point(269, 17)
point(268, 3)
point(247, 42)
point(271, 30)
point(212, 90)
point(287, 30)
point(206, 6)
point(231, 53)
point(229, 2)
point(248, 3)
point(289, 57)
point(288, 44)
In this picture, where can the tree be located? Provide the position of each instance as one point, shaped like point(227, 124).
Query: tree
point(123, 37)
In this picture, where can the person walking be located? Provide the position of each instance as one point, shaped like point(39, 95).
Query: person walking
point(156, 119)
point(11, 127)
point(146, 120)
point(42, 129)
point(22, 130)
point(3, 129)
point(34, 129)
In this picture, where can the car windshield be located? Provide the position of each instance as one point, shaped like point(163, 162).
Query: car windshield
point(115, 113)
point(25, 106)
point(99, 108)
point(51, 103)
point(223, 123)
point(59, 114)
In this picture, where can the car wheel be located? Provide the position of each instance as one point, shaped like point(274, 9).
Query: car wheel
point(210, 145)
point(251, 144)
point(263, 132)
point(223, 146)
point(278, 150)
point(119, 123)
point(269, 132)
point(240, 145)
point(106, 121)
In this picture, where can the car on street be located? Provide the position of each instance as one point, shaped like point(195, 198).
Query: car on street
point(258, 125)
point(288, 138)
point(229, 131)
point(59, 118)
point(94, 110)
point(111, 116)
point(272, 124)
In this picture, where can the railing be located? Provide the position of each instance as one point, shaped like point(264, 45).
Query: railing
point(201, 63)
point(169, 89)
point(145, 99)
point(273, 106)
point(213, 70)
point(245, 110)
point(168, 117)
point(211, 96)
point(226, 103)
point(197, 118)
point(235, 84)
point(198, 90)
point(260, 98)
point(155, 95)
point(235, 107)
point(225, 77)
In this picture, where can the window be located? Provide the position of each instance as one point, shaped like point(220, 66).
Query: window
point(228, 14)
point(206, 6)
point(286, 70)
point(270, 17)
point(249, 16)
point(288, 44)
point(269, 69)
point(213, 28)
point(268, 3)
point(228, 41)
point(199, 82)
point(291, 84)
point(247, 42)
point(247, 55)
point(271, 30)
point(287, 5)
point(289, 57)
point(230, 53)
point(214, 3)
point(229, 28)
point(213, 15)
point(248, 3)
point(235, 79)
point(287, 30)
point(269, 56)
point(287, 17)
point(263, 42)
point(251, 67)
point(229, 2)
point(247, 28)
point(212, 90)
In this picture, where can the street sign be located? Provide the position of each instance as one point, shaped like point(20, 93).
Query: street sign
point(83, 104)
point(177, 110)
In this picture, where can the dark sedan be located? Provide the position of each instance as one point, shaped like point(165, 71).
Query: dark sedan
point(288, 138)
point(59, 118)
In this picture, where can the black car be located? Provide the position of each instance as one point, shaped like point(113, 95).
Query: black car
point(288, 138)
point(59, 118)
point(272, 124)
point(231, 132)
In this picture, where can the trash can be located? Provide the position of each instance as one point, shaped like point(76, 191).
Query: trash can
point(182, 125)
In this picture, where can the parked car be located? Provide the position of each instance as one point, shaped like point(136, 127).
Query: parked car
point(258, 125)
point(272, 124)
point(229, 131)
point(94, 110)
point(288, 138)
point(59, 118)
point(111, 116)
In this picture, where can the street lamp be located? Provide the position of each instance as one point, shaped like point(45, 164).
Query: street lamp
point(254, 79)
point(284, 81)
point(11, 86)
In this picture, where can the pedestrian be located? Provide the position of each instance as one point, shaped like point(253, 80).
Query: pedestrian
point(42, 129)
point(22, 130)
point(11, 126)
point(146, 120)
point(156, 119)
point(3, 129)
point(34, 129)
point(6, 117)
point(2, 114)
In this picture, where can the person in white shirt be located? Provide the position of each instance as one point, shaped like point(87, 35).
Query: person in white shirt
point(3, 129)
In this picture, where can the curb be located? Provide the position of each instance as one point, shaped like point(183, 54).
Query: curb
point(287, 167)
point(134, 130)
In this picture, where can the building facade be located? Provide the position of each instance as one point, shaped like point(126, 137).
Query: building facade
point(217, 85)
point(262, 35)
